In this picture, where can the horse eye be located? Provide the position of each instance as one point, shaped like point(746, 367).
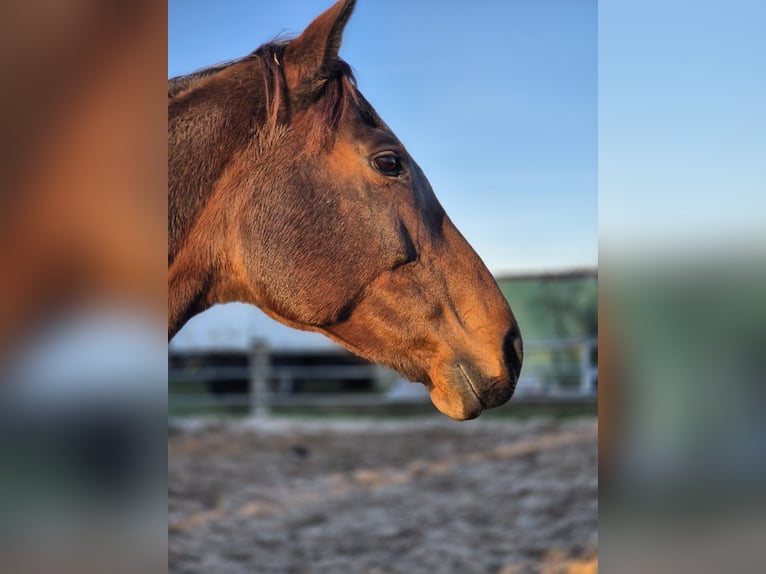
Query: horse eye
point(388, 164)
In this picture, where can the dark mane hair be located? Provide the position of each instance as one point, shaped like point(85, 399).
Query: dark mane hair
point(335, 87)
point(179, 84)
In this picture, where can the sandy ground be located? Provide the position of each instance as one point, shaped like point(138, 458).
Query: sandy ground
point(430, 496)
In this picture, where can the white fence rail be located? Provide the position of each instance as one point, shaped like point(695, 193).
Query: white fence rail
point(553, 370)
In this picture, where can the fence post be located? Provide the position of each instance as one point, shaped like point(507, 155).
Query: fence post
point(259, 378)
point(586, 369)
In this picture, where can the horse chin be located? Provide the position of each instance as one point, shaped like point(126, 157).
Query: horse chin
point(456, 399)
point(463, 393)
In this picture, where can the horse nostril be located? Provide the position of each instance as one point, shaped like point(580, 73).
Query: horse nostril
point(513, 352)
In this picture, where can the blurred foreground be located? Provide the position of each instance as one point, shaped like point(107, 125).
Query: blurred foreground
point(83, 207)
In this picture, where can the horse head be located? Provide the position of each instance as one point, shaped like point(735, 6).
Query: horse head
point(289, 192)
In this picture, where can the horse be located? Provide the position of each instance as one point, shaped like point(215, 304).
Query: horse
point(287, 191)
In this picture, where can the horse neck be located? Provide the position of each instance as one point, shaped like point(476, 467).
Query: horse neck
point(207, 125)
point(202, 138)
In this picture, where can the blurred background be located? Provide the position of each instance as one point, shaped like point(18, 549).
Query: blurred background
point(682, 250)
point(83, 215)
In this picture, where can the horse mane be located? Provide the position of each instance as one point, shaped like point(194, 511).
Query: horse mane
point(270, 106)
point(335, 86)
point(180, 84)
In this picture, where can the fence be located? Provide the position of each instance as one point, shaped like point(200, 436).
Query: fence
point(556, 370)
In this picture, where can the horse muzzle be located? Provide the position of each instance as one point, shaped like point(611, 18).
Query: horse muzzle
point(468, 385)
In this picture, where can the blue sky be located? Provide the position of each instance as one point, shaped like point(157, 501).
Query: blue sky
point(682, 126)
point(496, 100)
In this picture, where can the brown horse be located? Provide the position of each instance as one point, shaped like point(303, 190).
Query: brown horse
point(287, 191)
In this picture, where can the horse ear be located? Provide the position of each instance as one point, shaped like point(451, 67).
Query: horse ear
point(307, 55)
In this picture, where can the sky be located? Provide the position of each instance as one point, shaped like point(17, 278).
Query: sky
point(496, 101)
point(682, 128)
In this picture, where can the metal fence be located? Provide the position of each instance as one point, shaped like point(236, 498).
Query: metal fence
point(554, 370)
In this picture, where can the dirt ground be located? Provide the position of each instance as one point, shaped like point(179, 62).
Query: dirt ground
point(427, 496)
